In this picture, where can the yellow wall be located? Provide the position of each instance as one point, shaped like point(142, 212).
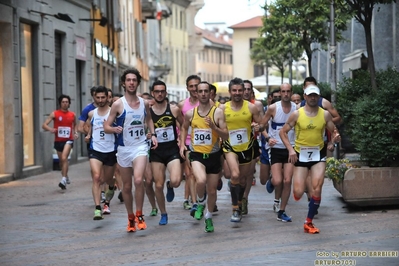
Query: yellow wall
point(243, 66)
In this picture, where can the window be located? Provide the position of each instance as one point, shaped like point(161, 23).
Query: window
point(251, 42)
point(27, 93)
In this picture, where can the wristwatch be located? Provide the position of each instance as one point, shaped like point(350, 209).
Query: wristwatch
point(267, 139)
point(154, 134)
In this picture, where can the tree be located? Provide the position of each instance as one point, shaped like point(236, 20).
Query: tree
point(297, 24)
point(363, 13)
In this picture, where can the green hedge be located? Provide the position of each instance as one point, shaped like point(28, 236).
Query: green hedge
point(371, 118)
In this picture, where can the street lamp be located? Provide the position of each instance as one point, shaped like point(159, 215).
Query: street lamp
point(60, 16)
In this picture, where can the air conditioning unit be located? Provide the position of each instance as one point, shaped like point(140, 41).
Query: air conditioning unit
point(119, 26)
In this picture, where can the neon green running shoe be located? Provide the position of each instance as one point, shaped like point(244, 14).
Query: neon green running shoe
point(244, 206)
point(209, 225)
point(98, 215)
point(154, 212)
point(199, 213)
point(109, 195)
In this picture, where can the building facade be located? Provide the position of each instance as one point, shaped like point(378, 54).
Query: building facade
point(352, 53)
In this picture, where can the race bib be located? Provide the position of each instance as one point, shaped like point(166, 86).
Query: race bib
point(64, 132)
point(165, 134)
point(238, 136)
point(202, 136)
point(309, 154)
point(136, 132)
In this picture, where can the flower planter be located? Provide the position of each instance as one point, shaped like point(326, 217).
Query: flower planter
point(370, 186)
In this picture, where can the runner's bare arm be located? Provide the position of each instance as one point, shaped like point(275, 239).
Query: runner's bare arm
point(46, 123)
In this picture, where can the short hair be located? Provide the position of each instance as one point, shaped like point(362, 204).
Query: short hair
point(101, 89)
point(62, 96)
point(145, 94)
point(192, 77)
point(207, 83)
point(156, 83)
point(249, 82)
point(212, 88)
point(117, 94)
point(93, 90)
point(131, 71)
point(173, 103)
point(236, 81)
point(275, 91)
point(310, 79)
point(110, 92)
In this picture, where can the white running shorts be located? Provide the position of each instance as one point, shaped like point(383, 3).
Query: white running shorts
point(127, 154)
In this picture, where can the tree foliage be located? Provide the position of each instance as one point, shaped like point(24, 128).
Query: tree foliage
point(291, 26)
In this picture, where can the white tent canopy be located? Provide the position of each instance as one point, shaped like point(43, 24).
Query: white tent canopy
point(274, 82)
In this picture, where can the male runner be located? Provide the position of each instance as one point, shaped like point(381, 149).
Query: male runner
point(309, 152)
point(167, 154)
point(240, 149)
point(207, 125)
point(130, 113)
point(65, 133)
point(102, 152)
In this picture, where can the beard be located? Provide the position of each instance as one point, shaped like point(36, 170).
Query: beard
point(159, 101)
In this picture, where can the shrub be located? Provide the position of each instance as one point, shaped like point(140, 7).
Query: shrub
point(371, 118)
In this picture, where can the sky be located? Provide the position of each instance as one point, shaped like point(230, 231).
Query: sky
point(229, 11)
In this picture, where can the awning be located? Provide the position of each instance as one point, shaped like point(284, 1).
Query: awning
point(353, 60)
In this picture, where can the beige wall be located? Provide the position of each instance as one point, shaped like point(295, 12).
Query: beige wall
point(209, 68)
point(243, 66)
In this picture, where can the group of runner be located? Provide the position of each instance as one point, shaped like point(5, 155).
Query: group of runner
point(205, 140)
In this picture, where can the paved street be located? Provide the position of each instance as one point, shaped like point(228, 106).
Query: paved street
point(42, 225)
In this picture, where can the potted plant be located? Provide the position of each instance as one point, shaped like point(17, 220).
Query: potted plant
point(336, 169)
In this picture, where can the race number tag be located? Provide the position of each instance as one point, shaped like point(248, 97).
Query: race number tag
point(64, 132)
point(165, 134)
point(238, 136)
point(309, 154)
point(202, 136)
point(136, 131)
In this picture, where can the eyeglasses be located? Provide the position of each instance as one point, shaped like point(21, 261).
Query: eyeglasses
point(156, 91)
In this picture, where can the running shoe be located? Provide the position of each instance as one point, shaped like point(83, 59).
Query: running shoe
point(199, 213)
point(215, 209)
point(120, 197)
point(236, 217)
point(269, 186)
point(220, 185)
point(253, 181)
point(131, 226)
point(186, 205)
point(109, 195)
point(228, 185)
point(68, 181)
point(170, 193)
point(141, 225)
point(62, 184)
point(193, 209)
point(276, 207)
point(209, 225)
point(244, 206)
point(106, 209)
point(154, 212)
point(164, 219)
point(97, 215)
point(310, 228)
point(102, 196)
point(283, 217)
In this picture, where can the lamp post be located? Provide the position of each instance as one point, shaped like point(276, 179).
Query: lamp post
point(333, 62)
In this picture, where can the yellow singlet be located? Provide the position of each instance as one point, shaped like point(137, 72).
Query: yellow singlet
point(239, 126)
point(309, 131)
point(217, 104)
point(203, 138)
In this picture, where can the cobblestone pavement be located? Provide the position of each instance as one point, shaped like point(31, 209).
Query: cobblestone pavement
point(42, 225)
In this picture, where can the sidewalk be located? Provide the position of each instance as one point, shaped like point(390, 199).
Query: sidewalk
point(43, 225)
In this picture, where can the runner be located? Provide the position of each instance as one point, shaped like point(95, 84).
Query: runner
point(309, 152)
point(167, 154)
point(65, 133)
point(239, 149)
point(130, 113)
point(207, 125)
point(102, 152)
